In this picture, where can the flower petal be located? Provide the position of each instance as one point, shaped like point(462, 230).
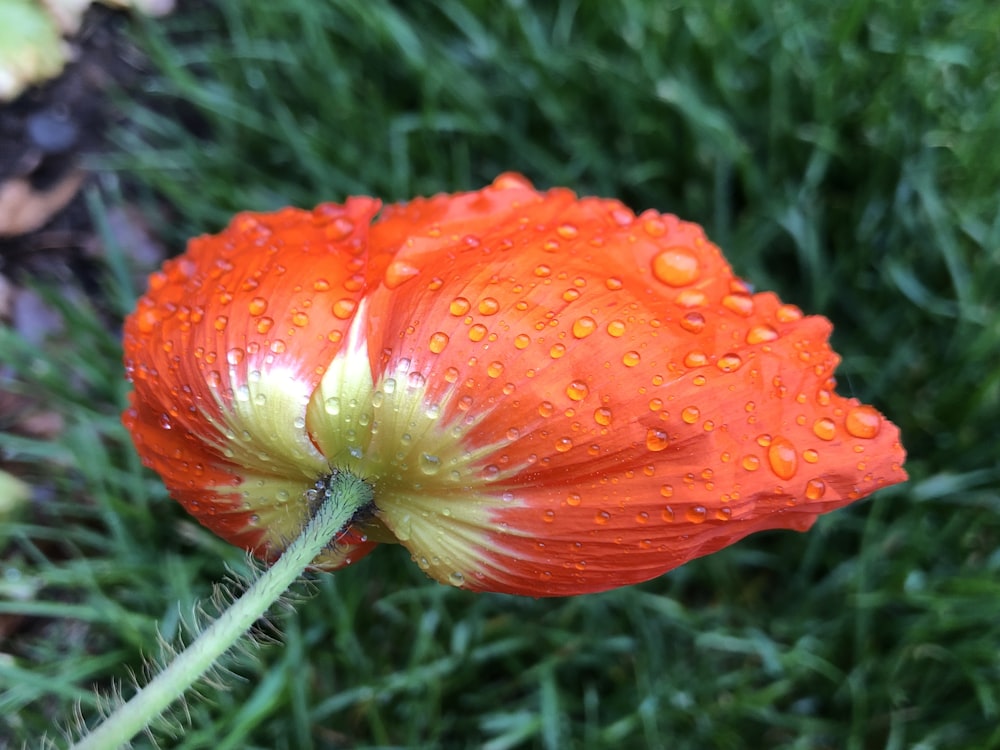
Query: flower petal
point(629, 404)
point(225, 351)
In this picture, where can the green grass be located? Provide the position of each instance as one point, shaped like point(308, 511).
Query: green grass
point(846, 158)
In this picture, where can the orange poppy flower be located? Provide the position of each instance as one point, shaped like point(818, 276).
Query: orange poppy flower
point(550, 395)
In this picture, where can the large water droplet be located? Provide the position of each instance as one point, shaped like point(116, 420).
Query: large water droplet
point(863, 422)
point(616, 328)
point(690, 414)
point(459, 306)
point(760, 334)
point(815, 488)
point(477, 332)
point(729, 362)
point(676, 266)
point(602, 416)
point(488, 306)
point(825, 429)
point(430, 464)
point(584, 326)
point(438, 342)
point(741, 304)
point(398, 272)
point(344, 308)
point(782, 458)
point(630, 359)
point(656, 440)
point(577, 390)
point(257, 306)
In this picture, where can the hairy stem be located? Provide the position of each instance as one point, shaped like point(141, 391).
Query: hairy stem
point(347, 494)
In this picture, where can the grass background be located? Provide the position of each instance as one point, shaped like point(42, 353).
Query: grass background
point(842, 154)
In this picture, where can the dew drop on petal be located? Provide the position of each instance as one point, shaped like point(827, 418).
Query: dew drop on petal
point(750, 463)
point(815, 489)
point(695, 359)
point(741, 304)
point(630, 359)
point(729, 362)
point(824, 428)
point(221, 322)
point(810, 455)
point(614, 283)
point(477, 332)
point(690, 414)
point(459, 306)
point(676, 266)
point(602, 416)
point(257, 306)
point(567, 231)
point(602, 517)
point(573, 499)
point(563, 444)
point(656, 440)
point(438, 342)
point(494, 369)
point(300, 319)
point(693, 322)
point(760, 334)
point(488, 306)
point(557, 351)
point(696, 514)
point(781, 457)
point(788, 314)
point(616, 328)
point(577, 390)
point(546, 409)
point(344, 308)
point(398, 272)
point(584, 326)
point(863, 422)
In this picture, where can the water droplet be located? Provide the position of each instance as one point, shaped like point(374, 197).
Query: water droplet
point(543, 270)
point(602, 416)
point(815, 488)
point(676, 266)
point(811, 455)
point(456, 578)
point(415, 379)
point(430, 464)
point(438, 342)
point(321, 285)
point(489, 306)
point(257, 306)
point(221, 322)
point(825, 429)
point(165, 421)
point(614, 283)
point(546, 409)
point(567, 231)
point(654, 227)
point(690, 414)
point(494, 369)
point(577, 390)
point(235, 355)
point(642, 517)
point(696, 514)
point(695, 359)
point(602, 517)
point(782, 458)
point(459, 306)
point(693, 322)
point(477, 332)
point(666, 490)
point(344, 308)
point(729, 362)
point(616, 328)
point(549, 516)
point(750, 463)
point(573, 499)
point(741, 304)
point(398, 272)
point(300, 319)
point(563, 444)
point(557, 351)
point(584, 326)
point(760, 334)
point(521, 341)
point(863, 422)
point(788, 314)
point(571, 295)
point(630, 359)
point(656, 440)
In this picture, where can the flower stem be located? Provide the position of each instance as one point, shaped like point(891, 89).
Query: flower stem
point(347, 494)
